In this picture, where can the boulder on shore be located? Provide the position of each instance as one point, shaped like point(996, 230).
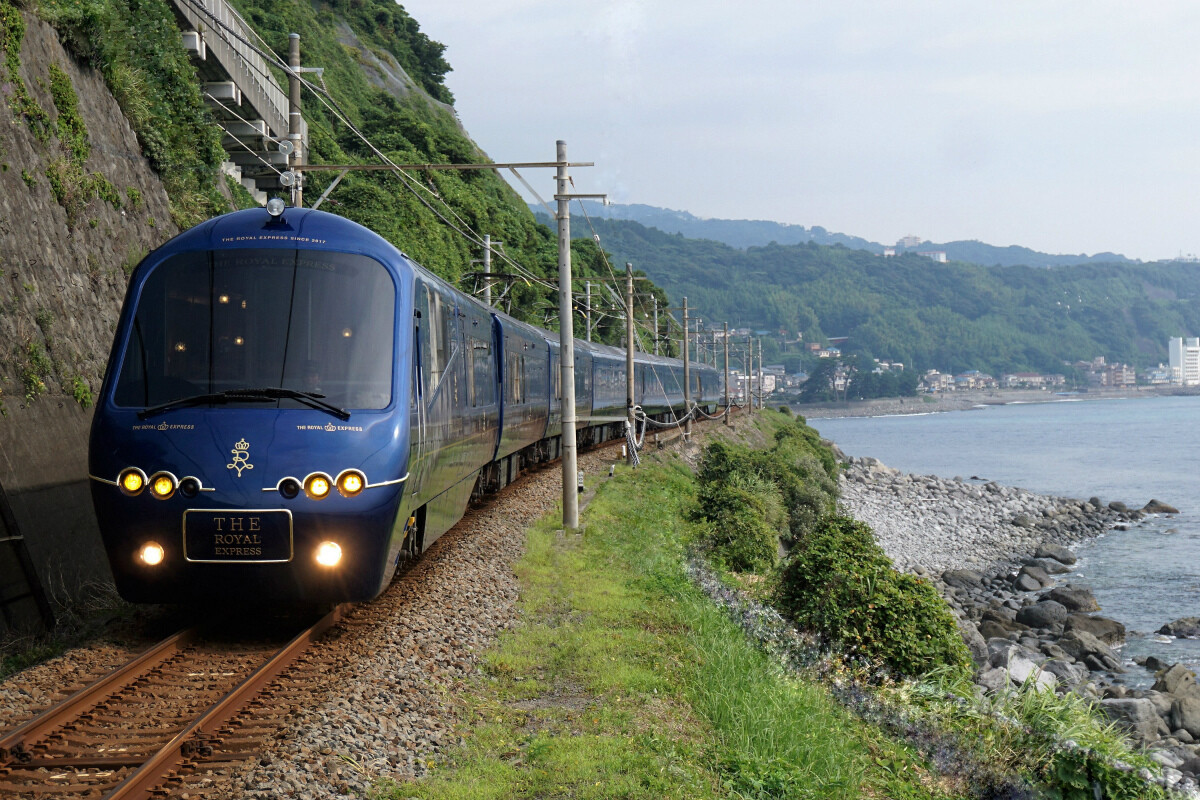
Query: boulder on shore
point(1083, 646)
point(1177, 680)
point(1074, 598)
point(1108, 631)
point(1057, 552)
point(1159, 507)
point(1138, 715)
point(1185, 713)
point(1184, 628)
point(1043, 614)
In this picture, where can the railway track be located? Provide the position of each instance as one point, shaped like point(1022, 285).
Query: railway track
point(191, 714)
point(162, 725)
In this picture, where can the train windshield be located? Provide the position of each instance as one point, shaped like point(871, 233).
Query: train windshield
point(310, 321)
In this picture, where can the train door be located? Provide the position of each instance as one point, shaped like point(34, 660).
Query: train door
point(418, 409)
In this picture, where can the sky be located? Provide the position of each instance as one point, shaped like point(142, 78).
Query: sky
point(1067, 127)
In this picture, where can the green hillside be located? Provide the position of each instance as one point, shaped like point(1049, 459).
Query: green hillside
point(136, 45)
point(951, 316)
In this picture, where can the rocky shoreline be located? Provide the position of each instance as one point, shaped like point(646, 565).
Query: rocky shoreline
point(963, 401)
point(1000, 556)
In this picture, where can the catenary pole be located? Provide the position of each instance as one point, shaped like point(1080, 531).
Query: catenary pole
point(487, 269)
point(294, 125)
point(588, 309)
point(761, 393)
point(687, 374)
point(629, 357)
point(566, 345)
point(655, 326)
point(728, 420)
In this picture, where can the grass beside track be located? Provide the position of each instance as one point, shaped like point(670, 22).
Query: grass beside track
point(624, 681)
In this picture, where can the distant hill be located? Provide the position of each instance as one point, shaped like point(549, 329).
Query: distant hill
point(743, 233)
point(953, 316)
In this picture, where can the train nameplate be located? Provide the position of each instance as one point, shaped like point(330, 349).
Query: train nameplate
point(237, 536)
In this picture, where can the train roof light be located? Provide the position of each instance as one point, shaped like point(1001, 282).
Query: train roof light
point(275, 207)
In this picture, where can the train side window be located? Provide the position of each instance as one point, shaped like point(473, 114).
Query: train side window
point(482, 391)
point(427, 333)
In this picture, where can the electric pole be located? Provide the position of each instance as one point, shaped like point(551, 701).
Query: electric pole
point(487, 269)
point(656, 325)
point(728, 421)
point(296, 158)
point(629, 360)
point(566, 345)
point(687, 374)
point(760, 375)
point(588, 309)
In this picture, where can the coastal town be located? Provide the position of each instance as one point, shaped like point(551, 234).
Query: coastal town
point(1098, 374)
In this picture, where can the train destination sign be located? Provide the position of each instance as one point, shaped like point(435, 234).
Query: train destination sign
point(240, 536)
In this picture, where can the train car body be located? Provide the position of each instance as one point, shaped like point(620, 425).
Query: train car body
point(292, 404)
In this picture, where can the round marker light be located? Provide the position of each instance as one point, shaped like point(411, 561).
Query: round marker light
point(162, 485)
point(189, 487)
point(151, 554)
point(329, 554)
point(317, 486)
point(289, 488)
point(350, 483)
point(275, 207)
point(132, 481)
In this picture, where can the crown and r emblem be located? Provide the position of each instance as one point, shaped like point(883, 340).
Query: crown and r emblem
point(241, 457)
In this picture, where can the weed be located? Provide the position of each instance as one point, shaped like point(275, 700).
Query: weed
point(81, 391)
point(29, 179)
point(134, 196)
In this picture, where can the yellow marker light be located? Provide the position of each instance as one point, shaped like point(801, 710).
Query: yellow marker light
point(317, 486)
point(350, 483)
point(132, 482)
point(329, 554)
point(151, 554)
point(162, 485)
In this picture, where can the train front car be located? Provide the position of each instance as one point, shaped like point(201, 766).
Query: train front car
point(251, 437)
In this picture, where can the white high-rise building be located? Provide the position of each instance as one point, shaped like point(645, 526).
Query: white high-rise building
point(1185, 361)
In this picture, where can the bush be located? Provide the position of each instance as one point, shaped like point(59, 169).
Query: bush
point(839, 583)
point(785, 410)
point(747, 518)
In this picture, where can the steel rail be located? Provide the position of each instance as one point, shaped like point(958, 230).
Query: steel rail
point(13, 745)
point(189, 742)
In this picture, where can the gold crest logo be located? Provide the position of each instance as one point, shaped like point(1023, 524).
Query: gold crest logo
point(241, 457)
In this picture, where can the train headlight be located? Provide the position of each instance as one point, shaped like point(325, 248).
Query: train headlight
point(132, 481)
point(350, 483)
point(317, 486)
point(163, 485)
point(329, 554)
point(151, 554)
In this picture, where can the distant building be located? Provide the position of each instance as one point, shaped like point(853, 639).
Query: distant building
point(1158, 376)
point(909, 242)
point(937, 255)
point(889, 252)
point(1121, 376)
point(1185, 361)
point(1024, 380)
point(934, 381)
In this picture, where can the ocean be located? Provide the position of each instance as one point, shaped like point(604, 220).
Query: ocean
point(1130, 449)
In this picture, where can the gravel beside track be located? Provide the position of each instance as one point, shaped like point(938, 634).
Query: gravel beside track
point(386, 712)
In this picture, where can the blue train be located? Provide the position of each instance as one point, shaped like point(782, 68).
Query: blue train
point(292, 405)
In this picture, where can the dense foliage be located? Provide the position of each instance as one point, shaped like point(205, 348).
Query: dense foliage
point(386, 80)
point(839, 582)
point(928, 315)
point(750, 499)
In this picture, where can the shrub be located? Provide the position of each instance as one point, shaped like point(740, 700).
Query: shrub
point(785, 410)
point(839, 583)
point(747, 517)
